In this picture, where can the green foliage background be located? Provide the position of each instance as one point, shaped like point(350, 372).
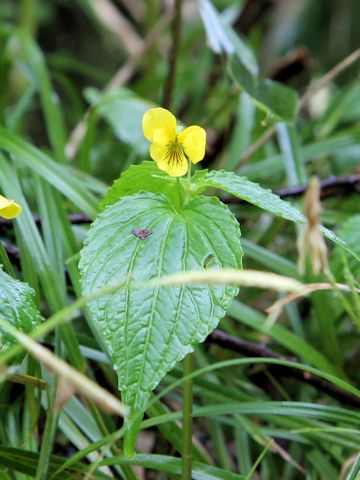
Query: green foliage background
point(75, 80)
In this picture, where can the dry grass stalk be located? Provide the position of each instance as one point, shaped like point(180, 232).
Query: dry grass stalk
point(311, 244)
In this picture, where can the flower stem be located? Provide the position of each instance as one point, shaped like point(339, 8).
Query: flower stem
point(47, 439)
point(187, 419)
point(176, 33)
point(28, 16)
point(189, 171)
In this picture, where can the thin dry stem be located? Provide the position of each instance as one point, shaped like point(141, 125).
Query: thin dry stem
point(118, 80)
point(309, 288)
point(119, 26)
point(68, 374)
point(311, 244)
point(310, 92)
point(246, 278)
point(328, 77)
point(173, 55)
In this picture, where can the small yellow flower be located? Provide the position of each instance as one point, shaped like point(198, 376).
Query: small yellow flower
point(8, 208)
point(171, 148)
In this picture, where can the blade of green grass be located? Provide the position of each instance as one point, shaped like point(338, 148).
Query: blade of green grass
point(49, 100)
point(274, 164)
point(254, 319)
point(172, 465)
point(62, 178)
point(269, 259)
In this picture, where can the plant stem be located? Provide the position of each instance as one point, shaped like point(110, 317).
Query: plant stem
point(27, 16)
point(176, 33)
point(189, 171)
point(48, 437)
point(187, 419)
point(4, 259)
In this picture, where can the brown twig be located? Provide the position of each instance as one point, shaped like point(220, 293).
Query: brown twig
point(251, 13)
point(246, 348)
point(292, 65)
point(329, 187)
point(12, 251)
point(74, 218)
point(173, 55)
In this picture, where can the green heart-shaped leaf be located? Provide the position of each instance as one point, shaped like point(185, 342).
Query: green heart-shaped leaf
point(17, 306)
point(242, 188)
point(144, 177)
point(148, 330)
point(279, 102)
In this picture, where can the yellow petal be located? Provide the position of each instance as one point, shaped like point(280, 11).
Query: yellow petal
point(193, 140)
point(164, 136)
point(157, 118)
point(174, 165)
point(8, 208)
point(158, 151)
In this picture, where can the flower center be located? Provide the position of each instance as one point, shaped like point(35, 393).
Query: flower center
point(175, 154)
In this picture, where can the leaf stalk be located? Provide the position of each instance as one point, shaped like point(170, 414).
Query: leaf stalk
point(187, 419)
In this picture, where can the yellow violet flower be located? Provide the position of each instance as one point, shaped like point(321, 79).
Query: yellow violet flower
point(8, 208)
point(171, 147)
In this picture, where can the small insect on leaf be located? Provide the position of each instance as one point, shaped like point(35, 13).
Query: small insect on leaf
point(207, 259)
point(141, 233)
